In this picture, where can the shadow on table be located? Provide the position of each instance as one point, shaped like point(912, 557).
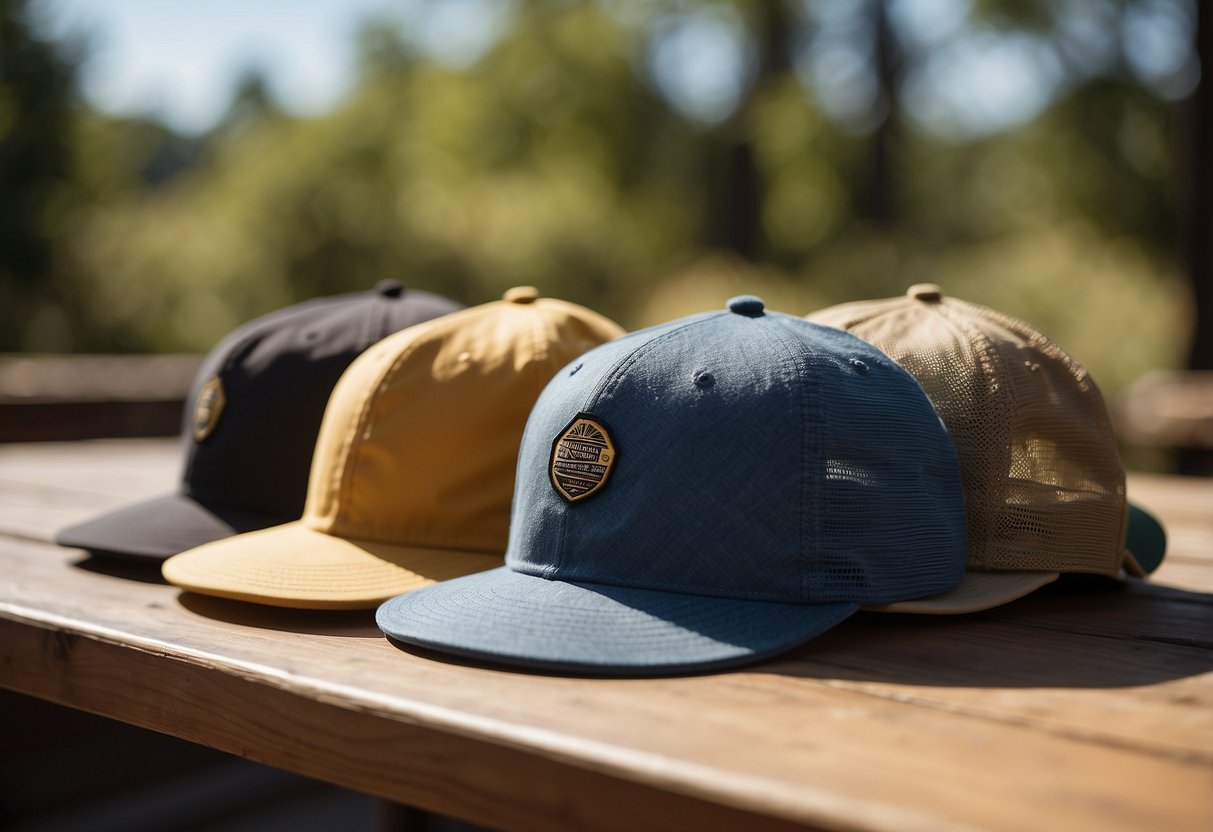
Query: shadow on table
point(144, 570)
point(351, 623)
point(1078, 633)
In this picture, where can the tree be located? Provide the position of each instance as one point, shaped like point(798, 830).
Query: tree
point(1199, 232)
point(36, 96)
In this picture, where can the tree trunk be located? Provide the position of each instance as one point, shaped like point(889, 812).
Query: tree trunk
point(1198, 229)
point(1200, 213)
point(880, 201)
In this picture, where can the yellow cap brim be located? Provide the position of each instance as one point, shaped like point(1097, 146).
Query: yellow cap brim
point(294, 566)
point(977, 591)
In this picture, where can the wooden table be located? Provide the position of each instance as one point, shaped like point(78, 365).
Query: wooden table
point(1085, 709)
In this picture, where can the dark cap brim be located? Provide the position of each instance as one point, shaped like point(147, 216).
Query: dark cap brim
point(1145, 542)
point(506, 617)
point(160, 527)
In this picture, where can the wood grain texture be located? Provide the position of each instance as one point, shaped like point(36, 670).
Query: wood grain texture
point(1080, 707)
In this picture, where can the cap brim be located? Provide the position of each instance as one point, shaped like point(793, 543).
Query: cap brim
point(977, 591)
point(506, 617)
point(294, 566)
point(1145, 546)
point(1145, 542)
point(160, 527)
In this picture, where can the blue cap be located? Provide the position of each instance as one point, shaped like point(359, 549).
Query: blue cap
point(706, 493)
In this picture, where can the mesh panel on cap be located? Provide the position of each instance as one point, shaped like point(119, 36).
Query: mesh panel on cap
point(1044, 489)
point(1062, 507)
point(887, 495)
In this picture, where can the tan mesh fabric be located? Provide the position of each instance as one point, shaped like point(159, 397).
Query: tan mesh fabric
point(1044, 488)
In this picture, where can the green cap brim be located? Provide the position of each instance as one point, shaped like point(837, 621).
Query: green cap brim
point(1146, 540)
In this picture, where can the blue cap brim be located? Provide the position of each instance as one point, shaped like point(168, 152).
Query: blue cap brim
point(505, 617)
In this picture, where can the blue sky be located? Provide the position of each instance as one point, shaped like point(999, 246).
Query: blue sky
point(178, 60)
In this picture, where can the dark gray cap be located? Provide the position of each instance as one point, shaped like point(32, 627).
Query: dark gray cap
point(251, 421)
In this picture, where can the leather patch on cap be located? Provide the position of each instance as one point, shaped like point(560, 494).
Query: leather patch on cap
point(582, 458)
point(208, 408)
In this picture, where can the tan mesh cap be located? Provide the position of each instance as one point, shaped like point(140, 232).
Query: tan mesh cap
point(1044, 487)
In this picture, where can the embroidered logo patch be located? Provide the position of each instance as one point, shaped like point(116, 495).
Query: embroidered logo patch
point(208, 408)
point(582, 457)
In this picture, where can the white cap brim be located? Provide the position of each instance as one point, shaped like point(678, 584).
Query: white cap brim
point(977, 591)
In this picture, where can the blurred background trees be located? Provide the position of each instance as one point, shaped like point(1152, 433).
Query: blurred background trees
point(835, 151)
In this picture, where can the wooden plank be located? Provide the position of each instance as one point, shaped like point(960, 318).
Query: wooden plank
point(44, 487)
point(782, 736)
point(386, 755)
point(1168, 409)
point(1185, 506)
point(1065, 710)
point(74, 378)
point(1175, 499)
point(1193, 575)
point(110, 470)
point(56, 397)
point(54, 421)
point(517, 777)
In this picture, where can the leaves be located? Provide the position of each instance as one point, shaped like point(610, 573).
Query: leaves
point(556, 159)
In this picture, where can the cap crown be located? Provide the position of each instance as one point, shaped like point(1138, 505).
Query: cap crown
point(755, 456)
point(1044, 488)
point(275, 375)
point(420, 439)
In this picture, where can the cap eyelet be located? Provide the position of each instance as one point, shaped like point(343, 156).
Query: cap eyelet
point(748, 305)
point(704, 380)
point(521, 294)
point(861, 367)
point(925, 292)
point(389, 288)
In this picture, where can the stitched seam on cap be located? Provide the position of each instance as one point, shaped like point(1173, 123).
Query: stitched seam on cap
point(800, 373)
point(613, 379)
point(597, 393)
point(539, 342)
point(364, 417)
point(542, 349)
point(710, 591)
point(192, 403)
point(986, 355)
point(625, 364)
point(1050, 347)
point(862, 313)
point(976, 340)
point(436, 544)
point(375, 328)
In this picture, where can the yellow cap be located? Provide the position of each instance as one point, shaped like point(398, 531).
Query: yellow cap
point(413, 470)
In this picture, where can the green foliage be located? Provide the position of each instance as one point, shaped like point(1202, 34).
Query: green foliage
point(555, 160)
point(35, 115)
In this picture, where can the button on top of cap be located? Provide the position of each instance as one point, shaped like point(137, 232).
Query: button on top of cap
point(748, 305)
point(521, 294)
point(925, 292)
point(389, 288)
